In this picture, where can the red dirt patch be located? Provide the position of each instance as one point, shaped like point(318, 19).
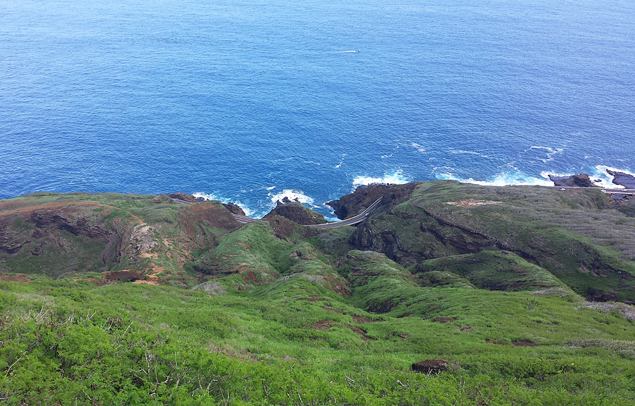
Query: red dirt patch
point(496, 342)
point(323, 325)
point(362, 333)
point(443, 319)
point(337, 286)
point(249, 277)
point(363, 320)
point(96, 282)
point(14, 278)
point(466, 329)
point(330, 309)
point(524, 343)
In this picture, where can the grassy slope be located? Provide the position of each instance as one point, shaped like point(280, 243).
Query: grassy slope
point(276, 334)
point(569, 233)
point(307, 321)
point(100, 232)
point(494, 270)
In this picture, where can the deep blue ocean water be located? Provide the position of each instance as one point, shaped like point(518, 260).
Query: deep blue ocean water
point(251, 100)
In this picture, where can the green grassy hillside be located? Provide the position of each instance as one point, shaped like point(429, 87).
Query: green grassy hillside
point(516, 295)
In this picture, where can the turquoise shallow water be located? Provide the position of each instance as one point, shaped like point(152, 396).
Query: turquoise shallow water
point(249, 101)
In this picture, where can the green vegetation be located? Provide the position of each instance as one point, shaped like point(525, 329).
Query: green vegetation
point(494, 270)
point(512, 291)
point(298, 343)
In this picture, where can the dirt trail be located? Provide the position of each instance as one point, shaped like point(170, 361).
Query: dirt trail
point(57, 205)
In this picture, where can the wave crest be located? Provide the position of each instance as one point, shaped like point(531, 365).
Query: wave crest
point(397, 177)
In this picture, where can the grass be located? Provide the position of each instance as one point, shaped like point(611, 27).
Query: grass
point(277, 315)
point(267, 336)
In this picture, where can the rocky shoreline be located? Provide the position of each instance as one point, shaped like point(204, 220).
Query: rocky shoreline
point(623, 179)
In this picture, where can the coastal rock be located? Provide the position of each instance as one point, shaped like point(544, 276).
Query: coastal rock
point(581, 180)
point(234, 209)
point(623, 179)
point(183, 196)
point(297, 213)
point(356, 202)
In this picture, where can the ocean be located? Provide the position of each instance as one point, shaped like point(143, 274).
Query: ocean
point(250, 101)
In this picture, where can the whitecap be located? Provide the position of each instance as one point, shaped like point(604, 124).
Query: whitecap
point(418, 147)
point(501, 179)
point(460, 151)
point(396, 177)
point(341, 162)
point(206, 196)
point(551, 152)
point(292, 195)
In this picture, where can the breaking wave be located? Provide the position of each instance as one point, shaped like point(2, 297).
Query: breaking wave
point(397, 177)
point(293, 195)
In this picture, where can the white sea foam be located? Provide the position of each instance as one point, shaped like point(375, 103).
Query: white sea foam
point(460, 151)
point(292, 195)
point(341, 162)
point(396, 177)
point(206, 196)
point(551, 152)
point(209, 196)
point(418, 147)
point(501, 179)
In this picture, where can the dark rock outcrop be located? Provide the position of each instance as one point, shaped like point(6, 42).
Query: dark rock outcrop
point(127, 275)
point(356, 202)
point(430, 366)
point(234, 209)
point(183, 196)
point(581, 180)
point(623, 179)
point(594, 295)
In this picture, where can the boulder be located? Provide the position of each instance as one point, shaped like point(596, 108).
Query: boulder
point(430, 366)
